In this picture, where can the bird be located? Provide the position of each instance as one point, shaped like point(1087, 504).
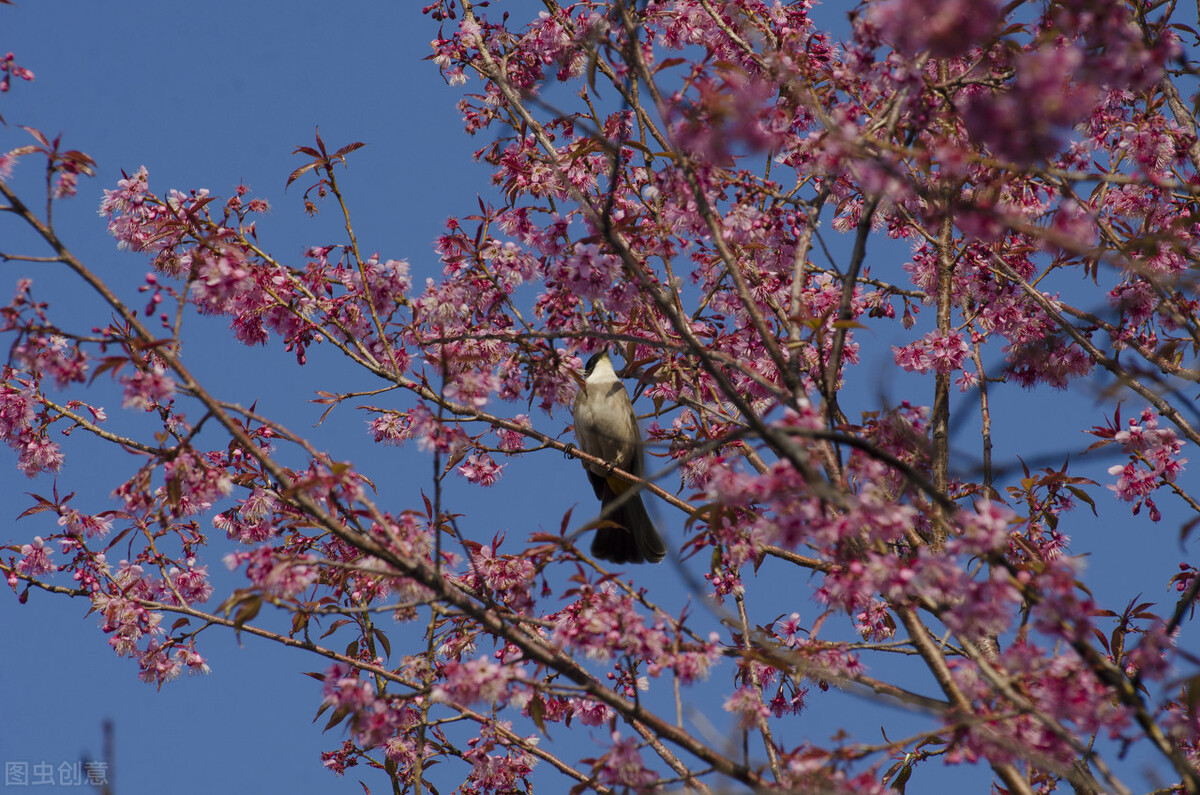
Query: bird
point(607, 428)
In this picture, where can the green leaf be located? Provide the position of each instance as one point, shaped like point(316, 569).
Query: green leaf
point(248, 610)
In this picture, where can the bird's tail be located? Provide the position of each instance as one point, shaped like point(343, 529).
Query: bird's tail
point(627, 534)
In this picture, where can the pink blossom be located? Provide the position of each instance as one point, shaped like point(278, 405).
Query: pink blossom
point(1148, 438)
point(89, 526)
point(1133, 482)
point(851, 586)
point(497, 773)
point(475, 681)
point(587, 273)
point(277, 575)
point(431, 433)
point(1064, 609)
point(401, 747)
point(789, 630)
point(725, 583)
point(510, 440)
point(36, 558)
point(1026, 122)
point(147, 389)
point(375, 725)
point(156, 664)
point(53, 355)
point(591, 713)
point(603, 622)
point(136, 219)
point(501, 573)
point(130, 193)
point(1051, 360)
point(946, 28)
point(345, 690)
point(946, 351)
point(480, 469)
point(874, 622)
point(1153, 460)
point(36, 454)
point(387, 283)
point(259, 505)
point(986, 529)
point(338, 761)
point(389, 427)
point(690, 665)
point(196, 664)
point(194, 483)
point(936, 351)
point(747, 704)
point(66, 185)
point(967, 380)
point(471, 387)
point(982, 608)
point(735, 107)
point(16, 412)
point(1150, 658)
point(220, 279)
point(1075, 225)
point(126, 620)
point(623, 765)
point(1060, 684)
point(913, 358)
point(192, 585)
point(247, 532)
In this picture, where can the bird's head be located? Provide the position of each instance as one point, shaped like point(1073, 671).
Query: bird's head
point(600, 366)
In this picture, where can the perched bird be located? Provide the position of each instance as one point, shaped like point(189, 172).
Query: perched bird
point(606, 427)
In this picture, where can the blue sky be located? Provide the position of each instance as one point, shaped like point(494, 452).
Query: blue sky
point(221, 93)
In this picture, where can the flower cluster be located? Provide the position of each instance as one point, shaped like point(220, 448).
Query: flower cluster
point(20, 430)
point(277, 576)
point(1154, 460)
point(10, 69)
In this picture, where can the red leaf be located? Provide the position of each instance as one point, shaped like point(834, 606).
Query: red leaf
point(304, 169)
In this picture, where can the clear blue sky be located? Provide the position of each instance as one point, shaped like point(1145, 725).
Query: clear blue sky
point(210, 95)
